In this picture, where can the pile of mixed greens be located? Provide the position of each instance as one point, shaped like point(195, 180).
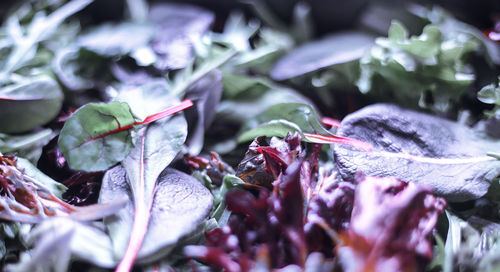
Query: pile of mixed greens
point(171, 138)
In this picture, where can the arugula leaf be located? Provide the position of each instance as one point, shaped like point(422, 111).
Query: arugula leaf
point(39, 30)
point(29, 103)
point(58, 241)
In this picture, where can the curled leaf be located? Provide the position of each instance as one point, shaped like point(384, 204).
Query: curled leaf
point(25, 199)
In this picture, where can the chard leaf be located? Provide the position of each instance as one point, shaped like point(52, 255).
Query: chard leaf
point(420, 148)
point(96, 137)
point(29, 104)
point(156, 146)
point(335, 49)
point(181, 203)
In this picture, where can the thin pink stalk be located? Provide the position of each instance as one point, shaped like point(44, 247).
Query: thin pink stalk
point(340, 140)
point(141, 221)
point(169, 111)
point(330, 122)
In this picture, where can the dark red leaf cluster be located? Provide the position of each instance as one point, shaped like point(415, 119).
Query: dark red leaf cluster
point(371, 224)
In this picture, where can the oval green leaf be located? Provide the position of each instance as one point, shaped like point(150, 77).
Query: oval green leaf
point(29, 104)
point(97, 136)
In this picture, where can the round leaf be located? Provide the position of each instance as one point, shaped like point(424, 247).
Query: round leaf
point(29, 104)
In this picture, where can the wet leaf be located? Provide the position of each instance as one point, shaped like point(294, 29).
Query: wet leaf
point(420, 148)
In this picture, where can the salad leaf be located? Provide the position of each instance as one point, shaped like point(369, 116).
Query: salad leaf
point(333, 50)
point(28, 146)
point(429, 69)
point(391, 226)
point(419, 148)
point(180, 205)
point(114, 40)
point(96, 136)
point(28, 104)
point(281, 119)
point(178, 26)
point(156, 146)
point(206, 93)
point(30, 201)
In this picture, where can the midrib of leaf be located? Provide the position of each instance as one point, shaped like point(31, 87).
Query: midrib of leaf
point(141, 219)
point(152, 118)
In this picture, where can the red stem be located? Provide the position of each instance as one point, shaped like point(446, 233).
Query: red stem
point(341, 140)
point(330, 122)
point(169, 111)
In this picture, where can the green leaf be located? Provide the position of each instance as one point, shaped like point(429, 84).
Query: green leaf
point(335, 49)
point(156, 146)
point(181, 204)
point(28, 146)
point(117, 39)
point(281, 119)
point(96, 137)
point(490, 94)
point(29, 104)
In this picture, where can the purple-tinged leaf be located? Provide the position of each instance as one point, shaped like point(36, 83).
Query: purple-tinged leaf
point(420, 148)
point(391, 226)
point(27, 200)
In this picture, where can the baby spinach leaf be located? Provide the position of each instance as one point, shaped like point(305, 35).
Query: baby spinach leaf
point(283, 118)
point(156, 146)
point(96, 136)
point(28, 104)
point(420, 148)
point(335, 49)
point(181, 203)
